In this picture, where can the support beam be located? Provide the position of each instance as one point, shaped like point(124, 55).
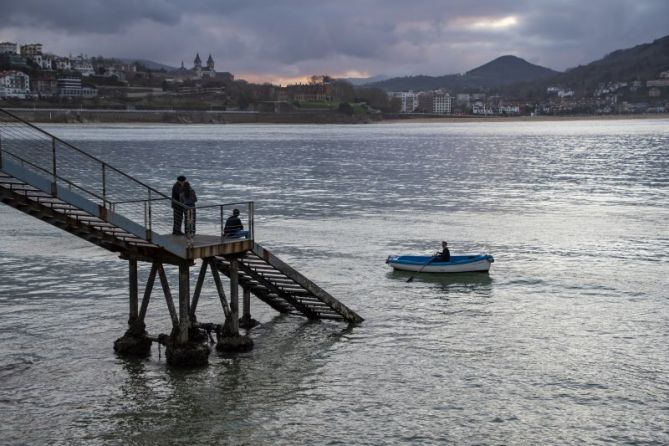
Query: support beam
point(184, 303)
point(219, 288)
point(246, 304)
point(247, 321)
point(147, 291)
point(229, 339)
point(168, 295)
point(234, 296)
point(135, 342)
point(134, 291)
point(198, 288)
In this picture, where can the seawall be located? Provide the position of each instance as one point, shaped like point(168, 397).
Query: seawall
point(187, 116)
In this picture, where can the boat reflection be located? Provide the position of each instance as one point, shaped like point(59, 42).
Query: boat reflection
point(478, 278)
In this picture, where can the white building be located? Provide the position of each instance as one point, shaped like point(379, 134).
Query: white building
point(441, 103)
point(509, 110)
point(479, 108)
point(14, 84)
point(83, 65)
point(63, 64)
point(8, 47)
point(70, 87)
point(31, 49)
point(409, 100)
point(658, 83)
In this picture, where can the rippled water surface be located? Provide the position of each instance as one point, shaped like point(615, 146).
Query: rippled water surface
point(566, 341)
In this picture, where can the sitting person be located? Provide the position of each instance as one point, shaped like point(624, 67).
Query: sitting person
point(234, 227)
point(444, 255)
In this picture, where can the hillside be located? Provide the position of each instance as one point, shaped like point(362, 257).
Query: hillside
point(642, 62)
point(504, 70)
point(508, 70)
point(151, 65)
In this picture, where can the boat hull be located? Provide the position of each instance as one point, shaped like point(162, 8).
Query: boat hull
point(457, 264)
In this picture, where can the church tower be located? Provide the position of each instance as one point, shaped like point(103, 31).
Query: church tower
point(198, 66)
point(211, 72)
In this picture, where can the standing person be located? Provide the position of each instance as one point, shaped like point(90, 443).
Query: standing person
point(177, 208)
point(234, 227)
point(188, 198)
point(445, 254)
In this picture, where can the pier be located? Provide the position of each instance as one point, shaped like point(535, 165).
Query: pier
point(63, 185)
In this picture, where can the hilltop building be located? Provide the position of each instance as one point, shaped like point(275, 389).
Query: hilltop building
point(198, 71)
point(14, 84)
point(8, 47)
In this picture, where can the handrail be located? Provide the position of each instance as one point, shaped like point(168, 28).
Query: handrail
point(76, 149)
point(68, 182)
point(99, 180)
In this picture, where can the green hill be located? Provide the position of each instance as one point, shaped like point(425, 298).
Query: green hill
point(504, 70)
point(642, 62)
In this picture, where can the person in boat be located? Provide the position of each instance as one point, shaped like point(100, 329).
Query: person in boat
point(234, 227)
point(188, 198)
point(444, 255)
point(177, 209)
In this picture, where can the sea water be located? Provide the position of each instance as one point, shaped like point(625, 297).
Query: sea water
point(565, 341)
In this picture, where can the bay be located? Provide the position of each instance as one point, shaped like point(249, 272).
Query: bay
point(564, 342)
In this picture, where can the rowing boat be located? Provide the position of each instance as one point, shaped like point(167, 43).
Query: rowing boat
point(428, 264)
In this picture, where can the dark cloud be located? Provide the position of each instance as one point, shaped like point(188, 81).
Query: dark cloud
point(293, 38)
point(76, 16)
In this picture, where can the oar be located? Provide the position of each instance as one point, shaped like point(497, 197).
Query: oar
point(421, 268)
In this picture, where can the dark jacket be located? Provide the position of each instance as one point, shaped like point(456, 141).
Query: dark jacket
point(188, 196)
point(444, 256)
point(232, 225)
point(176, 194)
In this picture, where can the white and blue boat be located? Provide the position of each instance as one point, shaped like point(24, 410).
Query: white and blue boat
point(430, 264)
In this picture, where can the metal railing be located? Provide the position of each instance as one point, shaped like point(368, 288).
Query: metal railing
point(65, 165)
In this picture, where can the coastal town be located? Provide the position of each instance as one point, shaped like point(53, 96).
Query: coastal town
point(32, 77)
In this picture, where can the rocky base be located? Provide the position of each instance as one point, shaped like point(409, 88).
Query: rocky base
point(247, 322)
point(234, 344)
point(136, 346)
point(191, 354)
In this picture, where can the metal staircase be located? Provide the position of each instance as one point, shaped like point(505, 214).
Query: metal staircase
point(44, 206)
point(61, 184)
point(284, 288)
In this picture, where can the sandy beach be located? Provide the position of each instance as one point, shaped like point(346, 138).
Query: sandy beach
point(436, 119)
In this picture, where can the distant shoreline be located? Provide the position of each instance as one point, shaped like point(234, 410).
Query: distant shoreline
point(540, 118)
point(101, 116)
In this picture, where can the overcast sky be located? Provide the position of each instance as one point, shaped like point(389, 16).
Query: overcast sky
point(281, 40)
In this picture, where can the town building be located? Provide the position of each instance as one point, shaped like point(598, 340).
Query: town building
point(83, 65)
point(8, 47)
point(62, 63)
point(409, 100)
point(480, 108)
point(31, 49)
point(12, 61)
point(441, 103)
point(14, 84)
point(44, 84)
point(657, 83)
point(198, 71)
point(654, 92)
point(71, 87)
point(463, 99)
